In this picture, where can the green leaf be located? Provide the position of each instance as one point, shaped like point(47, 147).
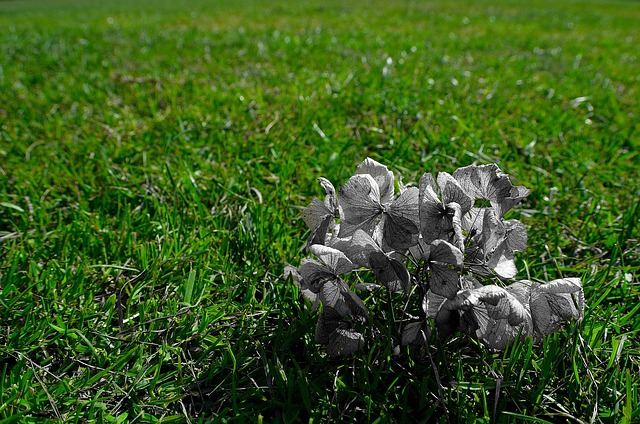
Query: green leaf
point(188, 288)
point(11, 206)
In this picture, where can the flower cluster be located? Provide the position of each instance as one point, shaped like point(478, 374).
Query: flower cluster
point(439, 240)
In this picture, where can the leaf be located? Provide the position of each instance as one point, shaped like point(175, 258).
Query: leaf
point(402, 220)
point(382, 176)
point(11, 206)
point(360, 202)
point(416, 333)
point(555, 303)
point(188, 289)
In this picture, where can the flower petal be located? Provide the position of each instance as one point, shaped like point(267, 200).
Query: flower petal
point(402, 220)
point(556, 302)
point(453, 192)
point(382, 176)
point(360, 202)
point(335, 260)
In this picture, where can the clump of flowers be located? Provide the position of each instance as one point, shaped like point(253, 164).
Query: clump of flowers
point(446, 241)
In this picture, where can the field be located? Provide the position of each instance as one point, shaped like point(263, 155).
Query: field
point(155, 157)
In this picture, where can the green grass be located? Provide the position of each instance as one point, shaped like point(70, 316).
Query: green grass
point(154, 159)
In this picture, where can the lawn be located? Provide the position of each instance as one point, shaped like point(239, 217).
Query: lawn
point(155, 157)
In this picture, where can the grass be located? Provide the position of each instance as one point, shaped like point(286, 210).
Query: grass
point(154, 158)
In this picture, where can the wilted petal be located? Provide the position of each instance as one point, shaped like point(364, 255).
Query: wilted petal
point(472, 221)
point(444, 261)
point(444, 280)
point(360, 202)
point(444, 252)
point(318, 218)
point(434, 220)
point(336, 261)
point(330, 199)
point(515, 235)
point(521, 290)
point(314, 274)
point(509, 308)
point(329, 321)
point(357, 308)
point(402, 220)
point(391, 272)
point(484, 182)
point(299, 281)
point(415, 333)
point(452, 192)
point(516, 195)
point(499, 240)
point(503, 264)
point(447, 319)
point(556, 302)
point(382, 176)
point(493, 315)
point(488, 294)
point(433, 303)
point(456, 224)
point(332, 294)
point(344, 341)
point(427, 181)
point(359, 248)
point(497, 334)
point(493, 232)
